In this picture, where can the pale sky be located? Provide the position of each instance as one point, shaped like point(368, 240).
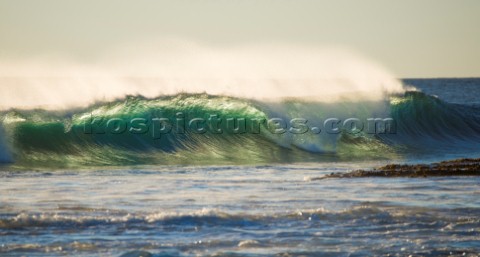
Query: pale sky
point(413, 38)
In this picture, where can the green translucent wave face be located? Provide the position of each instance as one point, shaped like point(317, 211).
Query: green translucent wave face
point(42, 138)
point(48, 138)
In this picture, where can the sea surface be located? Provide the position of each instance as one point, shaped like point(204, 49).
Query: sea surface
point(65, 192)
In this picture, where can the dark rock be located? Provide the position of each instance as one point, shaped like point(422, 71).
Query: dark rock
point(459, 167)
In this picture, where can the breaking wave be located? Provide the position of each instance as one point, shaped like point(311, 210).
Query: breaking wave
point(59, 138)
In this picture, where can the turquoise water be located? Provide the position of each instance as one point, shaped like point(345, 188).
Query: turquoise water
point(64, 193)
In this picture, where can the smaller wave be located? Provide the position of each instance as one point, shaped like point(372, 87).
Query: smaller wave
point(215, 217)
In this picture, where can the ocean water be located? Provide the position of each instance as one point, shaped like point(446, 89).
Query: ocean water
point(68, 189)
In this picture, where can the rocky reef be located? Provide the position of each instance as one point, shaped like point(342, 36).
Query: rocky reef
point(458, 167)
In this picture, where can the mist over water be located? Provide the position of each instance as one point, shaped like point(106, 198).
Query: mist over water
point(262, 72)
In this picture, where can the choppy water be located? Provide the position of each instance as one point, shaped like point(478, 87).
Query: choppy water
point(262, 202)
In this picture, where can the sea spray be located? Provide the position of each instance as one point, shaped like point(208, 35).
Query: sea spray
point(170, 67)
